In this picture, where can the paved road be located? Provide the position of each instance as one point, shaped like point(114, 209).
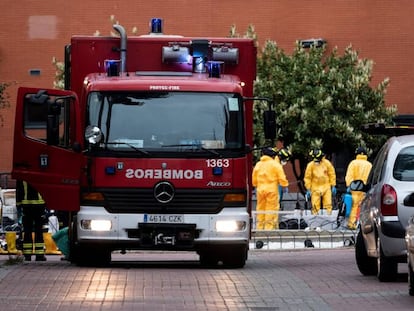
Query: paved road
point(308, 279)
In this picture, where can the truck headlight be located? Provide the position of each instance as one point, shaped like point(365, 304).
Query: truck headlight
point(230, 225)
point(96, 225)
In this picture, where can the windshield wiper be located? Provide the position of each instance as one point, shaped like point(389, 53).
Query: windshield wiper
point(196, 147)
point(130, 146)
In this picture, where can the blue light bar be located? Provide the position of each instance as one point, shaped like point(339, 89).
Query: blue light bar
point(112, 67)
point(214, 69)
point(156, 25)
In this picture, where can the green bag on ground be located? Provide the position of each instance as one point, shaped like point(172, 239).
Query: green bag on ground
point(61, 239)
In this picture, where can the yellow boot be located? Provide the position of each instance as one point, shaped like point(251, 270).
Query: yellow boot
point(11, 242)
point(51, 248)
point(2, 251)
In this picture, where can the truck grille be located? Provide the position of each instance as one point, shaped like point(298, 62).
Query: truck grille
point(143, 201)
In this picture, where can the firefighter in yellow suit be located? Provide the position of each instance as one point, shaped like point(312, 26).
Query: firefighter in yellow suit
point(358, 169)
point(266, 177)
point(33, 207)
point(320, 182)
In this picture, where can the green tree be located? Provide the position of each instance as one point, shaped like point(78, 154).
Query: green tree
point(320, 100)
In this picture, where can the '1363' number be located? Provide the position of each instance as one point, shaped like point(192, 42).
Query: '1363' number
point(218, 163)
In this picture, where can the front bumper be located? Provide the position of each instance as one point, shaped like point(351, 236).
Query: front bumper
point(132, 231)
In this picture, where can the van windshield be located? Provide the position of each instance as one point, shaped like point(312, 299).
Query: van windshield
point(152, 120)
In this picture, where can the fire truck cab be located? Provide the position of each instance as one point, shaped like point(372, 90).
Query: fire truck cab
point(148, 148)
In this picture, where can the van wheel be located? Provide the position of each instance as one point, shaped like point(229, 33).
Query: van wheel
point(387, 266)
point(366, 265)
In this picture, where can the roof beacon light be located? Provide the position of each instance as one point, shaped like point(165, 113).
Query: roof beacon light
point(112, 67)
point(156, 25)
point(214, 69)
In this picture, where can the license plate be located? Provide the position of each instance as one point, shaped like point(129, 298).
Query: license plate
point(163, 218)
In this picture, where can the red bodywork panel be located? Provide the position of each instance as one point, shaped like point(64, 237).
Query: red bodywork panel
point(60, 181)
point(190, 173)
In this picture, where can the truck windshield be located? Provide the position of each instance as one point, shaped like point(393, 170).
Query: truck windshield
point(152, 120)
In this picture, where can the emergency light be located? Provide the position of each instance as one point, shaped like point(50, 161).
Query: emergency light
point(214, 69)
point(112, 67)
point(202, 54)
point(156, 25)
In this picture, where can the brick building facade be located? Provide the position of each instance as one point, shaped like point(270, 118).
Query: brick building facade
point(33, 32)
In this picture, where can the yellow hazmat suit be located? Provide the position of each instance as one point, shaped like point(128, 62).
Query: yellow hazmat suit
point(358, 169)
point(267, 175)
point(319, 179)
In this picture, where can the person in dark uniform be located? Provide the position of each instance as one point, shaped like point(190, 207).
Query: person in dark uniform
point(33, 209)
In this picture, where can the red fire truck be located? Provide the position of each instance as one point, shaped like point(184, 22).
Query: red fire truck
point(148, 147)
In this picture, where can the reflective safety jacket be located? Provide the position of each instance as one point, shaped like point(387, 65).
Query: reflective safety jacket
point(27, 195)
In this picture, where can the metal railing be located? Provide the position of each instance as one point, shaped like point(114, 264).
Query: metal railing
point(315, 231)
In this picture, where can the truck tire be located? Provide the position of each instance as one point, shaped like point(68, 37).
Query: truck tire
point(93, 257)
point(410, 280)
point(73, 237)
point(235, 257)
point(387, 266)
point(366, 265)
point(208, 260)
point(231, 256)
point(87, 256)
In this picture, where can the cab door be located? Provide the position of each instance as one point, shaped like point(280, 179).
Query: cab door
point(48, 144)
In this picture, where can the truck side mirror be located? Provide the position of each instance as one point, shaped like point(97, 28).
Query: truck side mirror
point(269, 123)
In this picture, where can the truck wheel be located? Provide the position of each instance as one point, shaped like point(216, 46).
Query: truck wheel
point(208, 260)
point(410, 280)
point(366, 265)
point(387, 266)
point(73, 245)
point(86, 256)
point(235, 257)
point(93, 257)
